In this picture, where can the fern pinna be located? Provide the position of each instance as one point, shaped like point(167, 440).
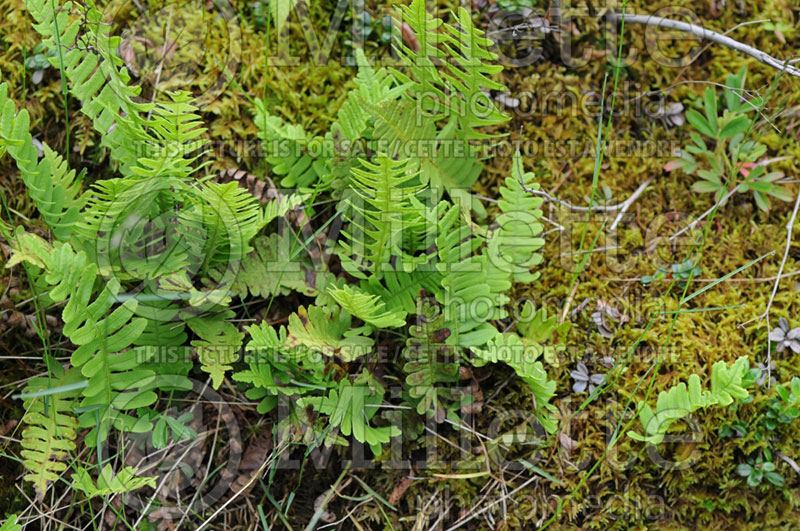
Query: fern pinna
point(153, 258)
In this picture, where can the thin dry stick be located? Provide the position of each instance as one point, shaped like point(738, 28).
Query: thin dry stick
point(627, 204)
point(789, 461)
point(789, 227)
point(478, 513)
point(552, 199)
point(208, 465)
point(709, 35)
point(694, 223)
point(191, 445)
point(758, 279)
point(602, 208)
point(255, 475)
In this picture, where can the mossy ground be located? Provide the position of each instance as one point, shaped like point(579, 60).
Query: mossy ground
point(631, 488)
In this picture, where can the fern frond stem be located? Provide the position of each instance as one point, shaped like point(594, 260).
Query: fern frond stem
point(293, 253)
point(160, 66)
point(64, 91)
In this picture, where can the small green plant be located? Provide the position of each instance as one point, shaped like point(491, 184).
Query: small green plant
point(370, 30)
point(721, 148)
point(760, 468)
point(777, 413)
point(515, 5)
point(682, 273)
point(38, 62)
point(277, 11)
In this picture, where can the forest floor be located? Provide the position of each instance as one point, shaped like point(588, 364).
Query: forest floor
point(497, 475)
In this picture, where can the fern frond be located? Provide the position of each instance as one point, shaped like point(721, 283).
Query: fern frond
point(273, 266)
point(165, 335)
point(220, 220)
point(115, 382)
point(286, 148)
point(218, 343)
point(457, 93)
point(176, 142)
point(368, 308)
point(49, 182)
point(50, 426)
point(350, 407)
point(380, 213)
point(421, 64)
point(445, 163)
point(11, 524)
point(95, 74)
point(429, 362)
point(277, 208)
point(510, 349)
point(470, 77)
point(465, 290)
point(128, 227)
point(327, 332)
point(514, 246)
point(373, 87)
point(682, 399)
point(109, 483)
point(400, 289)
point(535, 327)
point(275, 369)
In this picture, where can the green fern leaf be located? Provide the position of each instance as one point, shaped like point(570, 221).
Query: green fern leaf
point(50, 426)
point(350, 407)
point(470, 77)
point(109, 483)
point(11, 524)
point(287, 153)
point(49, 182)
point(430, 363)
point(218, 343)
point(103, 336)
point(464, 281)
point(327, 332)
point(270, 268)
point(523, 358)
point(400, 290)
point(368, 308)
point(220, 220)
point(514, 246)
point(372, 88)
point(275, 369)
point(91, 65)
point(681, 400)
point(380, 212)
point(420, 64)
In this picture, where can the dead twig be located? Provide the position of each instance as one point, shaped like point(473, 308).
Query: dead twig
point(789, 228)
point(789, 461)
point(706, 34)
point(626, 205)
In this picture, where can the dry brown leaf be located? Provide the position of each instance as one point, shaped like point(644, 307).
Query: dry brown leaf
point(399, 490)
point(566, 442)
point(253, 458)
